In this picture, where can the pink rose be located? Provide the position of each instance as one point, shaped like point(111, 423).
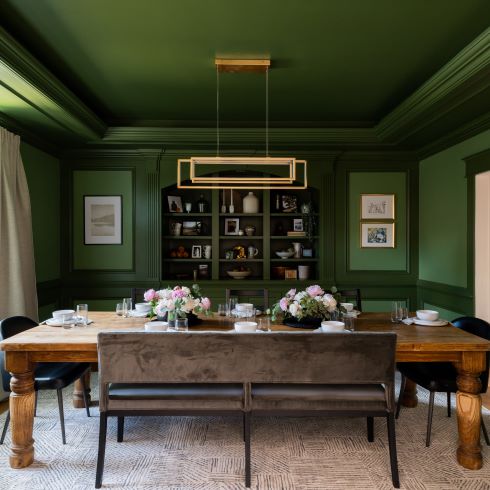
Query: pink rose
point(314, 290)
point(291, 293)
point(283, 304)
point(178, 293)
point(206, 303)
point(150, 295)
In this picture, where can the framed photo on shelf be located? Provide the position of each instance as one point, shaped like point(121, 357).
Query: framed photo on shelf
point(196, 251)
point(298, 224)
point(102, 217)
point(289, 203)
point(232, 225)
point(377, 206)
point(377, 235)
point(191, 228)
point(290, 274)
point(175, 204)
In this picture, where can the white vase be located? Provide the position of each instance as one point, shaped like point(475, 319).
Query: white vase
point(251, 203)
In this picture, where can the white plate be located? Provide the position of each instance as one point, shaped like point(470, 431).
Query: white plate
point(138, 314)
point(239, 314)
point(428, 323)
point(56, 322)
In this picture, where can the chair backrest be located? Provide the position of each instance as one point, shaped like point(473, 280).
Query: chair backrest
point(263, 294)
point(352, 294)
point(137, 295)
point(9, 327)
point(278, 357)
point(481, 328)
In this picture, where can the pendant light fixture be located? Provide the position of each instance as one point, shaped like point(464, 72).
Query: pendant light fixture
point(258, 172)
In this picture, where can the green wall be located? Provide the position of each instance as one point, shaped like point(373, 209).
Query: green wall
point(94, 183)
point(43, 177)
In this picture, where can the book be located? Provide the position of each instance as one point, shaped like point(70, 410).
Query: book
point(297, 233)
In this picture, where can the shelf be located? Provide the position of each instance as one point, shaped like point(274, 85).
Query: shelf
point(179, 215)
point(240, 237)
point(315, 237)
point(188, 237)
point(294, 215)
point(303, 259)
point(241, 260)
point(240, 215)
point(186, 260)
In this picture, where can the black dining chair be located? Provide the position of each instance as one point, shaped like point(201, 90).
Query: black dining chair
point(348, 294)
point(137, 295)
point(250, 293)
point(47, 375)
point(439, 377)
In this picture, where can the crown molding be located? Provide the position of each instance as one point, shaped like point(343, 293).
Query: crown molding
point(28, 79)
point(463, 77)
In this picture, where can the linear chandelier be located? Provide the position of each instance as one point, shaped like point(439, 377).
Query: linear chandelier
point(262, 172)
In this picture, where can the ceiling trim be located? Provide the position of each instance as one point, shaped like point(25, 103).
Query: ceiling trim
point(468, 72)
point(28, 79)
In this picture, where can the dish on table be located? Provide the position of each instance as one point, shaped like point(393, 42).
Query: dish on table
point(428, 323)
point(428, 315)
point(138, 314)
point(58, 322)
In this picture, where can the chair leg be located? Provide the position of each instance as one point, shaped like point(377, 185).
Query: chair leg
point(247, 449)
point(429, 419)
point(483, 428)
point(449, 404)
point(62, 416)
point(84, 395)
point(120, 429)
point(243, 419)
point(399, 402)
point(390, 419)
point(101, 452)
point(370, 429)
point(35, 402)
point(6, 426)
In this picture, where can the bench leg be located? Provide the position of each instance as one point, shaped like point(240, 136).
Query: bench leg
point(101, 452)
point(120, 429)
point(370, 429)
point(246, 418)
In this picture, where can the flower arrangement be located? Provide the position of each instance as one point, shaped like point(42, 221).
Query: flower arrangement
point(313, 303)
point(178, 301)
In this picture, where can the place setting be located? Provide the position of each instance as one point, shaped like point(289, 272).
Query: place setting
point(424, 318)
point(69, 318)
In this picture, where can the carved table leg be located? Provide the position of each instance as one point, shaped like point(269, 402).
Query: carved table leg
point(409, 396)
point(468, 403)
point(21, 408)
point(77, 392)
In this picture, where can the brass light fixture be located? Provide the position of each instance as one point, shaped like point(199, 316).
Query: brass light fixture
point(197, 170)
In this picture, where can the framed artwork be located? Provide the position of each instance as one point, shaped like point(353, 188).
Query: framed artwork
point(377, 206)
point(298, 224)
point(175, 204)
point(289, 203)
point(196, 251)
point(377, 235)
point(290, 274)
point(190, 228)
point(102, 220)
point(232, 225)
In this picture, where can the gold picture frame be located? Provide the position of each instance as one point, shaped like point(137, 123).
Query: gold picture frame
point(377, 234)
point(378, 207)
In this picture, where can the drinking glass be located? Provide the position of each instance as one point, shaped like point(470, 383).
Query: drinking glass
point(264, 324)
point(82, 314)
point(119, 309)
point(181, 325)
point(221, 310)
point(230, 307)
point(127, 307)
point(349, 322)
point(68, 321)
point(395, 306)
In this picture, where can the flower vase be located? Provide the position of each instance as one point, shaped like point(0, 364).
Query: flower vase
point(192, 318)
point(303, 323)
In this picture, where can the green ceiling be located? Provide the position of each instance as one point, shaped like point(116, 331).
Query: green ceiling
point(334, 63)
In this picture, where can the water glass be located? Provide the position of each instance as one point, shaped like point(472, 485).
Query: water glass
point(127, 307)
point(395, 308)
point(230, 307)
point(264, 324)
point(181, 325)
point(349, 322)
point(82, 314)
point(119, 309)
point(221, 310)
point(68, 321)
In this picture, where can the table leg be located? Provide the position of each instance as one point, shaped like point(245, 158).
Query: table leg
point(77, 392)
point(409, 396)
point(21, 408)
point(468, 403)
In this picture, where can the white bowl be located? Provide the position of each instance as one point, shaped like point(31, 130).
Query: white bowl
point(245, 326)
point(427, 315)
point(239, 274)
point(347, 306)
point(60, 314)
point(244, 306)
point(285, 254)
point(141, 307)
point(156, 326)
point(331, 326)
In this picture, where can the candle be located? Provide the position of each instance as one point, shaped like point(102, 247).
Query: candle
point(231, 197)
point(223, 204)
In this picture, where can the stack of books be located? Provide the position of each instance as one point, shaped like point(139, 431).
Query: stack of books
point(297, 233)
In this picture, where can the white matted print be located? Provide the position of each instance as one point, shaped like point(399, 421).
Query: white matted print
point(102, 220)
point(377, 235)
point(378, 206)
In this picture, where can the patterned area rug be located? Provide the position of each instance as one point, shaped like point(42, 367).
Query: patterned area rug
point(207, 453)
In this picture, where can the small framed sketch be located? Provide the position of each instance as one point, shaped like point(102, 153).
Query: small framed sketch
point(377, 206)
point(175, 204)
point(377, 235)
point(196, 251)
point(102, 216)
point(289, 203)
point(298, 224)
point(232, 225)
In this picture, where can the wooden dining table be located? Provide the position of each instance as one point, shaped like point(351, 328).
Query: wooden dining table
point(414, 344)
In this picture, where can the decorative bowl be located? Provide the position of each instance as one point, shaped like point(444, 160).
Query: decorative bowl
point(242, 327)
point(427, 315)
point(156, 326)
point(285, 254)
point(331, 326)
point(239, 274)
point(60, 314)
point(347, 306)
point(142, 307)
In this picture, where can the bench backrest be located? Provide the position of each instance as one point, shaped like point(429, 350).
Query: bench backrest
point(278, 357)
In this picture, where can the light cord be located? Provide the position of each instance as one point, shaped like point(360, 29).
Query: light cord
point(267, 112)
point(217, 111)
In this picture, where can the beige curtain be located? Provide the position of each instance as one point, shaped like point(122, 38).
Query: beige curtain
point(18, 294)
